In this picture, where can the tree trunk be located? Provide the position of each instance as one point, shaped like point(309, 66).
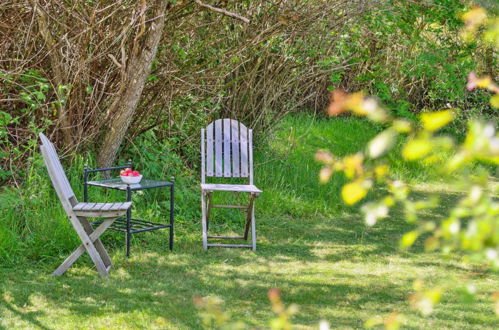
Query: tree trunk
point(127, 99)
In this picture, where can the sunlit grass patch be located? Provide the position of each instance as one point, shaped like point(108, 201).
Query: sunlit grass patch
point(316, 250)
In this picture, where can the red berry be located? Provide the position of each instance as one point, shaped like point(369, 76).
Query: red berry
point(136, 173)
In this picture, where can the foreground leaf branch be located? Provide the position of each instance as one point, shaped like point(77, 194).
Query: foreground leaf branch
point(472, 224)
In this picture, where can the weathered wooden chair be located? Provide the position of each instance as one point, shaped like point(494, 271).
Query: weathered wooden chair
point(227, 151)
point(78, 213)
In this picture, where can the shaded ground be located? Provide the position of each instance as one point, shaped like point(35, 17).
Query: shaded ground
point(333, 268)
point(317, 251)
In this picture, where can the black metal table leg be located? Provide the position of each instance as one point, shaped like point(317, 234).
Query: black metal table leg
point(128, 219)
point(172, 193)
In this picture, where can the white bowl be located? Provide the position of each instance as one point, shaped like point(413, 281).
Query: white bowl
point(131, 179)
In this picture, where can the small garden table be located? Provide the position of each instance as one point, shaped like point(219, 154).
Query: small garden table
point(129, 225)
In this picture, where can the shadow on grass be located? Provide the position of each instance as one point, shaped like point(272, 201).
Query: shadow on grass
point(301, 256)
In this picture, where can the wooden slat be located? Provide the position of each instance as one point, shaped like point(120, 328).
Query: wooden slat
point(88, 206)
point(235, 148)
point(218, 148)
point(116, 206)
point(100, 214)
point(50, 169)
point(99, 206)
point(215, 206)
point(209, 150)
point(101, 210)
point(230, 245)
point(203, 156)
point(250, 158)
point(243, 137)
point(125, 205)
point(230, 187)
point(106, 207)
point(58, 170)
point(225, 237)
point(227, 145)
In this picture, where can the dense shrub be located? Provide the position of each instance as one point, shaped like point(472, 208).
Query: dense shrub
point(409, 54)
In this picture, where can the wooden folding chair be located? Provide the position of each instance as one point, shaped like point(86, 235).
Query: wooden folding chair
point(227, 151)
point(78, 213)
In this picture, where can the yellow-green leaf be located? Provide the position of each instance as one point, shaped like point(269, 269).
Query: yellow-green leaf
point(402, 126)
point(415, 149)
point(494, 101)
point(373, 322)
point(408, 239)
point(353, 192)
point(432, 121)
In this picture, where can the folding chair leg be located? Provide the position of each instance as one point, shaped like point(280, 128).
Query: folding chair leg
point(249, 216)
point(87, 245)
point(203, 220)
point(253, 227)
point(98, 244)
point(208, 211)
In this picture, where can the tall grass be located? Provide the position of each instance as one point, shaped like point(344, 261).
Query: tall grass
point(33, 224)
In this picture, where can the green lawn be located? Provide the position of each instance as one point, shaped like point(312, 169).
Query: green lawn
point(318, 252)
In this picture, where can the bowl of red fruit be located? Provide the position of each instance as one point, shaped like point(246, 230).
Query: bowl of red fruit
point(130, 177)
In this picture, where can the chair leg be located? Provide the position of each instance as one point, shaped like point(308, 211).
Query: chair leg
point(208, 211)
point(87, 245)
point(249, 212)
point(253, 227)
point(98, 244)
point(203, 220)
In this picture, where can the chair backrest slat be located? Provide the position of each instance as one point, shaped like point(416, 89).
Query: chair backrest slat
point(226, 150)
point(250, 152)
point(243, 138)
point(236, 170)
point(52, 154)
point(209, 150)
point(218, 148)
point(57, 175)
point(227, 144)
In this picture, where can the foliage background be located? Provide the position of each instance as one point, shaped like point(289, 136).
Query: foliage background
point(60, 70)
point(408, 54)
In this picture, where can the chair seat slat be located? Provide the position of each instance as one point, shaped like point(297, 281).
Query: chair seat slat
point(102, 206)
point(106, 207)
point(116, 206)
point(89, 206)
point(230, 187)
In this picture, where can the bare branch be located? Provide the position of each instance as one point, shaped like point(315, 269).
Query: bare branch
point(222, 11)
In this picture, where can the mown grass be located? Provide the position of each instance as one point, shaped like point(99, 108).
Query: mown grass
point(317, 251)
